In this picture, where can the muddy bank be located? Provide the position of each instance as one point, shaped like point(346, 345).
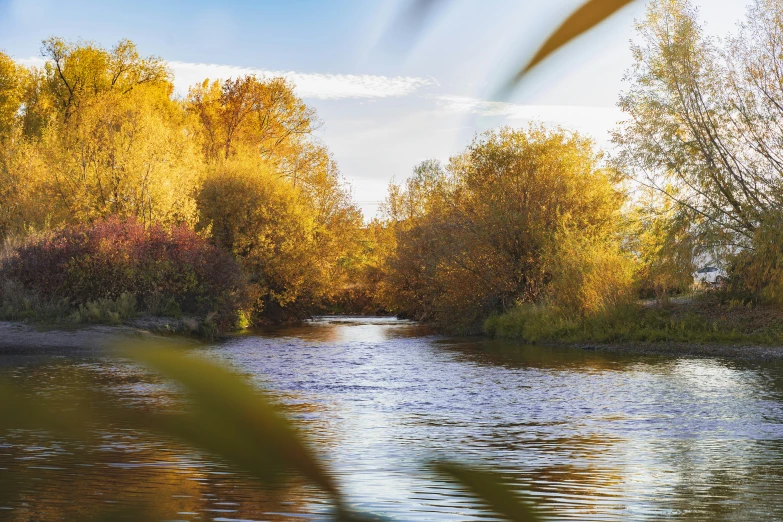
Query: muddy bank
point(766, 353)
point(25, 338)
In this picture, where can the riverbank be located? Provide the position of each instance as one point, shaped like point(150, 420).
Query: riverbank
point(703, 324)
point(726, 351)
point(22, 338)
point(19, 338)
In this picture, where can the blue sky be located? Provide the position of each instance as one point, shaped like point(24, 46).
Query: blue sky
point(383, 110)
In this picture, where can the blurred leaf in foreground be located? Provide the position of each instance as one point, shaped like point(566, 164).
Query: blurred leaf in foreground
point(592, 13)
point(582, 20)
point(488, 487)
point(411, 21)
point(226, 416)
point(20, 410)
point(231, 418)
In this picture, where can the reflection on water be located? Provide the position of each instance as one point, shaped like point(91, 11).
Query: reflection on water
point(594, 436)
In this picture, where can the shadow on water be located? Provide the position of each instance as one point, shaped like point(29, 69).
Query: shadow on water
point(594, 435)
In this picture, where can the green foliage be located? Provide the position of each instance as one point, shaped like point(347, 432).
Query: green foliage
point(703, 116)
point(111, 311)
point(18, 303)
point(704, 321)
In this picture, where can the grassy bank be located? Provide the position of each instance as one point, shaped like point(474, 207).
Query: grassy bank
point(701, 319)
point(18, 306)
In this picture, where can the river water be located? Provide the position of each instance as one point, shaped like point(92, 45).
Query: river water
point(590, 435)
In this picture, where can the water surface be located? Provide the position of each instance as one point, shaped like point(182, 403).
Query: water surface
point(592, 436)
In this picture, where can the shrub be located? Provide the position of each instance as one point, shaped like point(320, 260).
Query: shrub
point(263, 220)
point(522, 216)
point(18, 303)
point(105, 310)
point(107, 268)
point(756, 274)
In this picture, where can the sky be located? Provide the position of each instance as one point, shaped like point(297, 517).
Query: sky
point(386, 102)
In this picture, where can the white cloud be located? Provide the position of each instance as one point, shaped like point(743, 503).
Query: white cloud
point(32, 62)
point(308, 85)
point(596, 121)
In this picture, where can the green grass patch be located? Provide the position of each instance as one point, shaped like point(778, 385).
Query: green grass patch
point(699, 321)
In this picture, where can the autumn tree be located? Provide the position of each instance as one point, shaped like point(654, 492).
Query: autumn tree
point(77, 72)
point(260, 116)
point(519, 217)
point(12, 80)
point(662, 244)
point(98, 134)
point(263, 220)
point(257, 131)
point(703, 124)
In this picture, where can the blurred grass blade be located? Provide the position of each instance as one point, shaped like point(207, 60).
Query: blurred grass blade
point(489, 488)
point(583, 19)
point(231, 418)
point(18, 411)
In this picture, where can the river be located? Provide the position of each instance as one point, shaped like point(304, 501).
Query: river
point(591, 435)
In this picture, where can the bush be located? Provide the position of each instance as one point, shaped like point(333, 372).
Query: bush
point(264, 221)
point(18, 303)
point(107, 269)
point(522, 216)
point(112, 311)
point(756, 274)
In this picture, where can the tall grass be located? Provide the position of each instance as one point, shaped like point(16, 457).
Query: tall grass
point(635, 323)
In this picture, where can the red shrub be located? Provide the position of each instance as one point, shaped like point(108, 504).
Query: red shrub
point(166, 269)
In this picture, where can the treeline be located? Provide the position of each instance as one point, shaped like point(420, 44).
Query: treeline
point(223, 205)
point(535, 231)
point(98, 135)
point(704, 134)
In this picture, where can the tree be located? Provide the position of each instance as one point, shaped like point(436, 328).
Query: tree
point(12, 79)
point(75, 72)
point(98, 135)
point(704, 119)
point(260, 116)
point(263, 220)
point(488, 232)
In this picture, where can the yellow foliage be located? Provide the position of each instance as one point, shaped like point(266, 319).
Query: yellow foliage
point(122, 154)
point(521, 216)
point(248, 115)
point(12, 78)
point(263, 220)
point(589, 276)
point(663, 246)
point(97, 132)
